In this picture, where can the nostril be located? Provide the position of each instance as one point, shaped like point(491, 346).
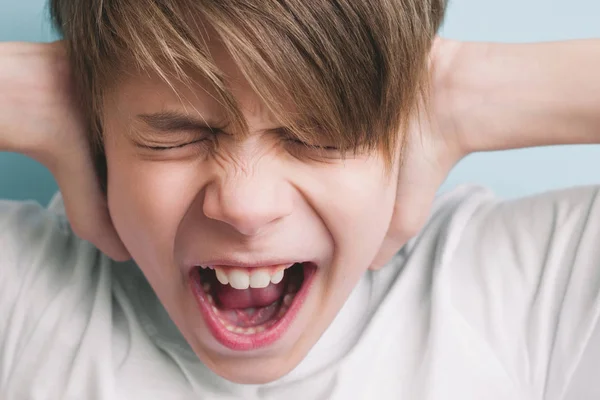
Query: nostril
point(229, 210)
point(248, 210)
point(211, 206)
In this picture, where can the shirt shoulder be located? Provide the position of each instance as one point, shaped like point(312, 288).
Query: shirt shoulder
point(29, 232)
point(55, 304)
point(525, 276)
point(493, 299)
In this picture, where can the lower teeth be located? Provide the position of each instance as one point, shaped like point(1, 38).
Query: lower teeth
point(287, 301)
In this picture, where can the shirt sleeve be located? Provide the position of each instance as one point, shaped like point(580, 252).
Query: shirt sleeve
point(50, 284)
point(27, 233)
point(31, 238)
point(526, 273)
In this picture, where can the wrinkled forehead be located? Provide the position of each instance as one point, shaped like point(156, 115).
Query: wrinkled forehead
point(325, 78)
point(146, 91)
point(148, 94)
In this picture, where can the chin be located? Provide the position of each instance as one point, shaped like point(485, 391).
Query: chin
point(256, 371)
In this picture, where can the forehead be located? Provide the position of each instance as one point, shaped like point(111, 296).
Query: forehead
point(249, 78)
point(147, 92)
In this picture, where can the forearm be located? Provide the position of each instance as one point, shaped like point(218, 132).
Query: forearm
point(32, 79)
point(13, 94)
point(507, 96)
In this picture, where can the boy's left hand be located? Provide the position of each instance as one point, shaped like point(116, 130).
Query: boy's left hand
point(432, 149)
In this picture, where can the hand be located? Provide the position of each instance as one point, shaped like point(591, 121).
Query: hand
point(39, 117)
point(433, 147)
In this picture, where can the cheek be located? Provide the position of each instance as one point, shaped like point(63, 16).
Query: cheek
point(147, 203)
point(359, 212)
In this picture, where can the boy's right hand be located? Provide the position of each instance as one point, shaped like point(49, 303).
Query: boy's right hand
point(40, 117)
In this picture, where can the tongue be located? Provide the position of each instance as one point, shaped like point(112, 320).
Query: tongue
point(230, 298)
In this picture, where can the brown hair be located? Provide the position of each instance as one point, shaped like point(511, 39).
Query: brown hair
point(353, 69)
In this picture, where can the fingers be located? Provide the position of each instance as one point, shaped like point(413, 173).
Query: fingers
point(424, 170)
point(85, 204)
point(43, 118)
point(411, 210)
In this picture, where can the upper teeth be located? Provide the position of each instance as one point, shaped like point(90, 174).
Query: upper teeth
point(243, 278)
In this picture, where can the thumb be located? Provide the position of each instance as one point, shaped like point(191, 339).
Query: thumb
point(86, 206)
point(420, 177)
point(412, 207)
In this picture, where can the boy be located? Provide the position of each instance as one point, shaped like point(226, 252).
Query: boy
point(249, 154)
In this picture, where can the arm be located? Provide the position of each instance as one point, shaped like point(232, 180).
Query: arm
point(520, 95)
point(533, 262)
point(19, 94)
point(40, 117)
point(487, 97)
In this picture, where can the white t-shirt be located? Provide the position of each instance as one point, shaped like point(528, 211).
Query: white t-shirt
point(493, 300)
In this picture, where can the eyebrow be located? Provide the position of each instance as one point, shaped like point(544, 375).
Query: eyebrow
point(168, 121)
point(173, 121)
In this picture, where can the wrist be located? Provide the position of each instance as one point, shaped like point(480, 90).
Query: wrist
point(455, 91)
point(507, 96)
point(10, 53)
point(480, 86)
point(30, 77)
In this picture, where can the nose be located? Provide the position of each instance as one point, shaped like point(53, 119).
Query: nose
point(249, 204)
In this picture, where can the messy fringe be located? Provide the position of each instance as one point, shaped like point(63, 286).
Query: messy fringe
point(352, 70)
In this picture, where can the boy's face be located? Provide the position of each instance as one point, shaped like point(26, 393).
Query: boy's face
point(247, 209)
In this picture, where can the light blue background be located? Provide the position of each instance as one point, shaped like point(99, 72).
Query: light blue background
point(510, 174)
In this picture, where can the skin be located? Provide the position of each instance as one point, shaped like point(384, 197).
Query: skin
point(207, 203)
point(257, 197)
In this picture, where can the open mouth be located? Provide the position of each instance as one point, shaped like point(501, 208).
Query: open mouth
point(249, 308)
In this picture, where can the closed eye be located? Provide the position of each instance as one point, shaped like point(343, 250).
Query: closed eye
point(309, 146)
point(177, 146)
